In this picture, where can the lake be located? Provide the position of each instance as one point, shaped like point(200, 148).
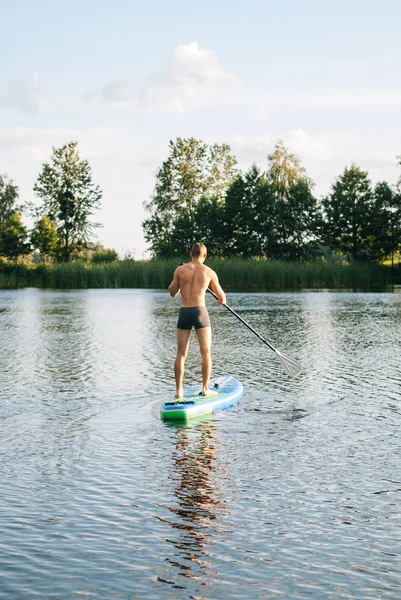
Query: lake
point(294, 494)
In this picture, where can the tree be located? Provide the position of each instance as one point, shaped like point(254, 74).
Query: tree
point(385, 223)
point(284, 170)
point(69, 198)
point(294, 213)
point(193, 172)
point(13, 237)
point(395, 224)
point(272, 214)
point(298, 222)
point(348, 212)
point(211, 225)
point(249, 214)
point(107, 255)
point(44, 238)
point(8, 197)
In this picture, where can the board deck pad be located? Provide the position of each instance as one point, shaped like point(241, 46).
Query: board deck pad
point(227, 392)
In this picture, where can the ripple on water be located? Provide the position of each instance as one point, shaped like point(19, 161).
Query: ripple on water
point(294, 493)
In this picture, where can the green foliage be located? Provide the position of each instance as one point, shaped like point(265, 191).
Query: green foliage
point(200, 195)
point(398, 157)
point(104, 256)
point(285, 170)
point(348, 213)
point(234, 274)
point(211, 226)
point(295, 217)
point(250, 215)
point(13, 237)
point(44, 238)
point(193, 172)
point(384, 228)
point(8, 198)
point(69, 198)
point(272, 214)
point(297, 220)
point(361, 221)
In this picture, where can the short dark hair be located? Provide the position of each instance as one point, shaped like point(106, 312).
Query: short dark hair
point(198, 249)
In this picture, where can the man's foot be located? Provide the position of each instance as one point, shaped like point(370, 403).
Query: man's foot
point(208, 393)
point(179, 394)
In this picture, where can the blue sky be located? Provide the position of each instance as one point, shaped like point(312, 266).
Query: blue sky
point(124, 78)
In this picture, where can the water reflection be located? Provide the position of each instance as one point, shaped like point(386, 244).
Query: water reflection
point(199, 504)
point(65, 362)
point(49, 342)
point(99, 497)
point(19, 344)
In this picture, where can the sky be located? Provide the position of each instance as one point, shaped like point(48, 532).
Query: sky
point(123, 78)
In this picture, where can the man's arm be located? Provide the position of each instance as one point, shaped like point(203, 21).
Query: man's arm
point(216, 287)
point(174, 287)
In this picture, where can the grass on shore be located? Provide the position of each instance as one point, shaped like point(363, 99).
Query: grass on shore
point(234, 274)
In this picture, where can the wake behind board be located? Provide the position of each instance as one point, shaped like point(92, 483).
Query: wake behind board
point(227, 389)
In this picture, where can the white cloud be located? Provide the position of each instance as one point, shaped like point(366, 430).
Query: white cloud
point(264, 103)
point(192, 78)
point(24, 94)
point(24, 138)
point(116, 92)
point(326, 98)
point(21, 137)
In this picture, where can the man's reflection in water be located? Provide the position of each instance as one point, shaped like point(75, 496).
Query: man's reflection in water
point(199, 503)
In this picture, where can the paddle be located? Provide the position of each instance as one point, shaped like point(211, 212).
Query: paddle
point(291, 366)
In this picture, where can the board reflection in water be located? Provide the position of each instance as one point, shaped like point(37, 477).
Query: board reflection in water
point(199, 506)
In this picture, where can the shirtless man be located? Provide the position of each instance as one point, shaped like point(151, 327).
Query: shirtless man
point(192, 280)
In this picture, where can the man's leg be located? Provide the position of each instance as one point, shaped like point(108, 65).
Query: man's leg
point(183, 336)
point(204, 335)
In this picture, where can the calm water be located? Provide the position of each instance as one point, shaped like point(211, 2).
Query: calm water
point(295, 494)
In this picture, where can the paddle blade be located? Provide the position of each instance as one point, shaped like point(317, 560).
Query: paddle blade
point(290, 365)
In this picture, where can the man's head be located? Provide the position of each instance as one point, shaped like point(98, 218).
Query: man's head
point(198, 251)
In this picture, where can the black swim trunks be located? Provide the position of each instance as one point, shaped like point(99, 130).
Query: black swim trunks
point(193, 316)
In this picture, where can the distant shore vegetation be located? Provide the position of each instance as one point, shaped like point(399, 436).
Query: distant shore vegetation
point(235, 274)
point(264, 228)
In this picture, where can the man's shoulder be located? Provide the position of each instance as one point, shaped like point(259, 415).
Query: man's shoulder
point(182, 267)
point(209, 271)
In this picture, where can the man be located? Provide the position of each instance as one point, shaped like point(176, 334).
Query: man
point(192, 280)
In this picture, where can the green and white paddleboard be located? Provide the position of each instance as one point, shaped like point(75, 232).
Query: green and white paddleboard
point(226, 392)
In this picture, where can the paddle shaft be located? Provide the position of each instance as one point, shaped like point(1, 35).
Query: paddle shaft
point(244, 322)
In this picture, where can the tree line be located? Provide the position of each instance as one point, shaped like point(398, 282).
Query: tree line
point(63, 224)
point(200, 194)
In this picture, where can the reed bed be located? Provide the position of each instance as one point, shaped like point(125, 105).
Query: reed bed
point(234, 274)
point(276, 275)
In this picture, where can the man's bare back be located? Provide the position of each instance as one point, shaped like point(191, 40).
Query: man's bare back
point(192, 280)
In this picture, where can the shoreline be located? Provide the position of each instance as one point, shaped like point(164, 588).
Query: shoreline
point(234, 275)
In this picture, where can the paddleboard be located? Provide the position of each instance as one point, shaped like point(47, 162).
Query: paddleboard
point(226, 392)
